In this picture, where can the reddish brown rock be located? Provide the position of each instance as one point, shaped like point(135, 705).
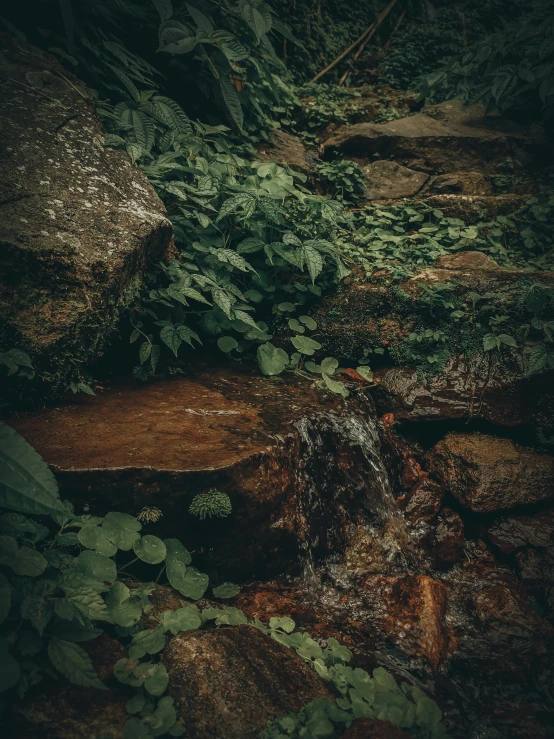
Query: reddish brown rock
point(488, 473)
point(414, 615)
point(424, 501)
point(467, 260)
point(160, 444)
point(232, 681)
point(389, 180)
point(448, 539)
point(372, 728)
point(469, 183)
point(288, 149)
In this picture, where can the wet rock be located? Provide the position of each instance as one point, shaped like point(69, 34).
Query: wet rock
point(424, 501)
point(473, 209)
point(448, 543)
point(64, 711)
point(388, 179)
point(468, 183)
point(291, 459)
point(536, 571)
point(231, 682)
point(493, 622)
point(80, 222)
point(288, 149)
point(487, 473)
point(448, 136)
point(514, 532)
point(371, 728)
point(467, 260)
point(413, 615)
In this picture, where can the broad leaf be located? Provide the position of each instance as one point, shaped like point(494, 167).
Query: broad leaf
point(73, 662)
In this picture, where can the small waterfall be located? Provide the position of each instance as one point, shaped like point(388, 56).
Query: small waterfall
point(342, 470)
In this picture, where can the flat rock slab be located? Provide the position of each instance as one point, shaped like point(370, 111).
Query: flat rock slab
point(231, 682)
point(391, 180)
point(162, 443)
point(79, 221)
point(445, 137)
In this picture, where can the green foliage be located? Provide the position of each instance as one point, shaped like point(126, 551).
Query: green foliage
point(212, 504)
point(343, 179)
point(17, 362)
point(511, 69)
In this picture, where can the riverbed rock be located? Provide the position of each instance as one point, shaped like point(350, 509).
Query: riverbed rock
point(448, 538)
point(535, 568)
point(232, 681)
point(488, 473)
point(388, 179)
point(468, 183)
point(513, 532)
point(447, 136)
point(282, 450)
point(284, 148)
point(79, 225)
point(467, 260)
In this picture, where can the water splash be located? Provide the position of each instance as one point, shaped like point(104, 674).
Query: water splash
point(341, 461)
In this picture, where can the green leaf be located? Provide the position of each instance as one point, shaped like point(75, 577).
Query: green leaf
point(259, 22)
point(157, 683)
point(124, 610)
point(227, 344)
point(231, 617)
point(226, 590)
point(176, 552)
point(150, 549)
point(284, 623)
point(272, 360)
point(490, 341)
point(305, 345)
point(26, 483)
point(94, 537)
point(121, 529)
point(192, 584)
point(201, 21)
point(164, 8)
point(508, 340)
point(136, 703)
point(308, 322)
point(313, 259)
point(335, 387)
point(231, 97)
point(10, 672)
point(97, 567)
point(183, 619)
point(149, 641)
point(171, 338)
point(73, 662)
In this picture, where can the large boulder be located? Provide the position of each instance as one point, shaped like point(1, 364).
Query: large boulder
point(288, 149)
point(79, 221)
point(261, 440)
point(445, 137)
point(489, 473)
point(232, 682)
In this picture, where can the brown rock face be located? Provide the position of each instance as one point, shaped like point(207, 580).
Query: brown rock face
point(448, 544)
point(447, 136)
point(487, 473)
point(260, 440)
point(371, 728)
point(79, 223)
point(512, 533)
point(467, 260)
point(391, 180)
point(288, 149)
point(236, 678)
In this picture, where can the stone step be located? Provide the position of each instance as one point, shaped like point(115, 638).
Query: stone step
point(273, 445)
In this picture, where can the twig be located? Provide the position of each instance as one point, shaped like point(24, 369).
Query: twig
point(395, 29)
point(368, 38)
point(371, 29)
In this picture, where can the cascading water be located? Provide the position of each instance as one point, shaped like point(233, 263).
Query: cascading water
point(341, 461)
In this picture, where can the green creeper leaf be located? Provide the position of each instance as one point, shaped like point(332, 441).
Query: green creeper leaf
point(170, 337)
point(308, 322)
point(227, 344)
point(329, 365)
point(73, 662)
point(90, 604)
point(183, 619)
point(335, 387)
point(29, 562)
point(136, 703)
point(192, 584)
point(284, 623)
point(38, 610)
point(157, 683)
point(150, 549)
point(124, 610)
point(121, 529)
point(490, 341)
point(272, 360)
point(226, 590)
point(149, 641)
point(305, 345)
point(508, 340)
point(94, 537)
point(201, 21)
point(176, 552)
point(26, 483)
point(97, 567)
point(313, 260)
point(231, 617)
point(10, 672)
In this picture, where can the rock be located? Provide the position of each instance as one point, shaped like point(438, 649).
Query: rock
point(64, 711)
point(536, 571)
point(487, 473)
point(514, 532)
point(372, 728)
point(232, 681)
point(466, 260)
point(448, 543)
point(391, 180)
point(473, 209)
point(423, 502)
point(260, 440)
point(447, 136)
point(412, 614)
point(468, 183)
point(288, 149)
point(81, 225)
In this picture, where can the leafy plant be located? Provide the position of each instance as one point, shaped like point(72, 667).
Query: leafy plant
point(343, 179)
point(212, 504)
